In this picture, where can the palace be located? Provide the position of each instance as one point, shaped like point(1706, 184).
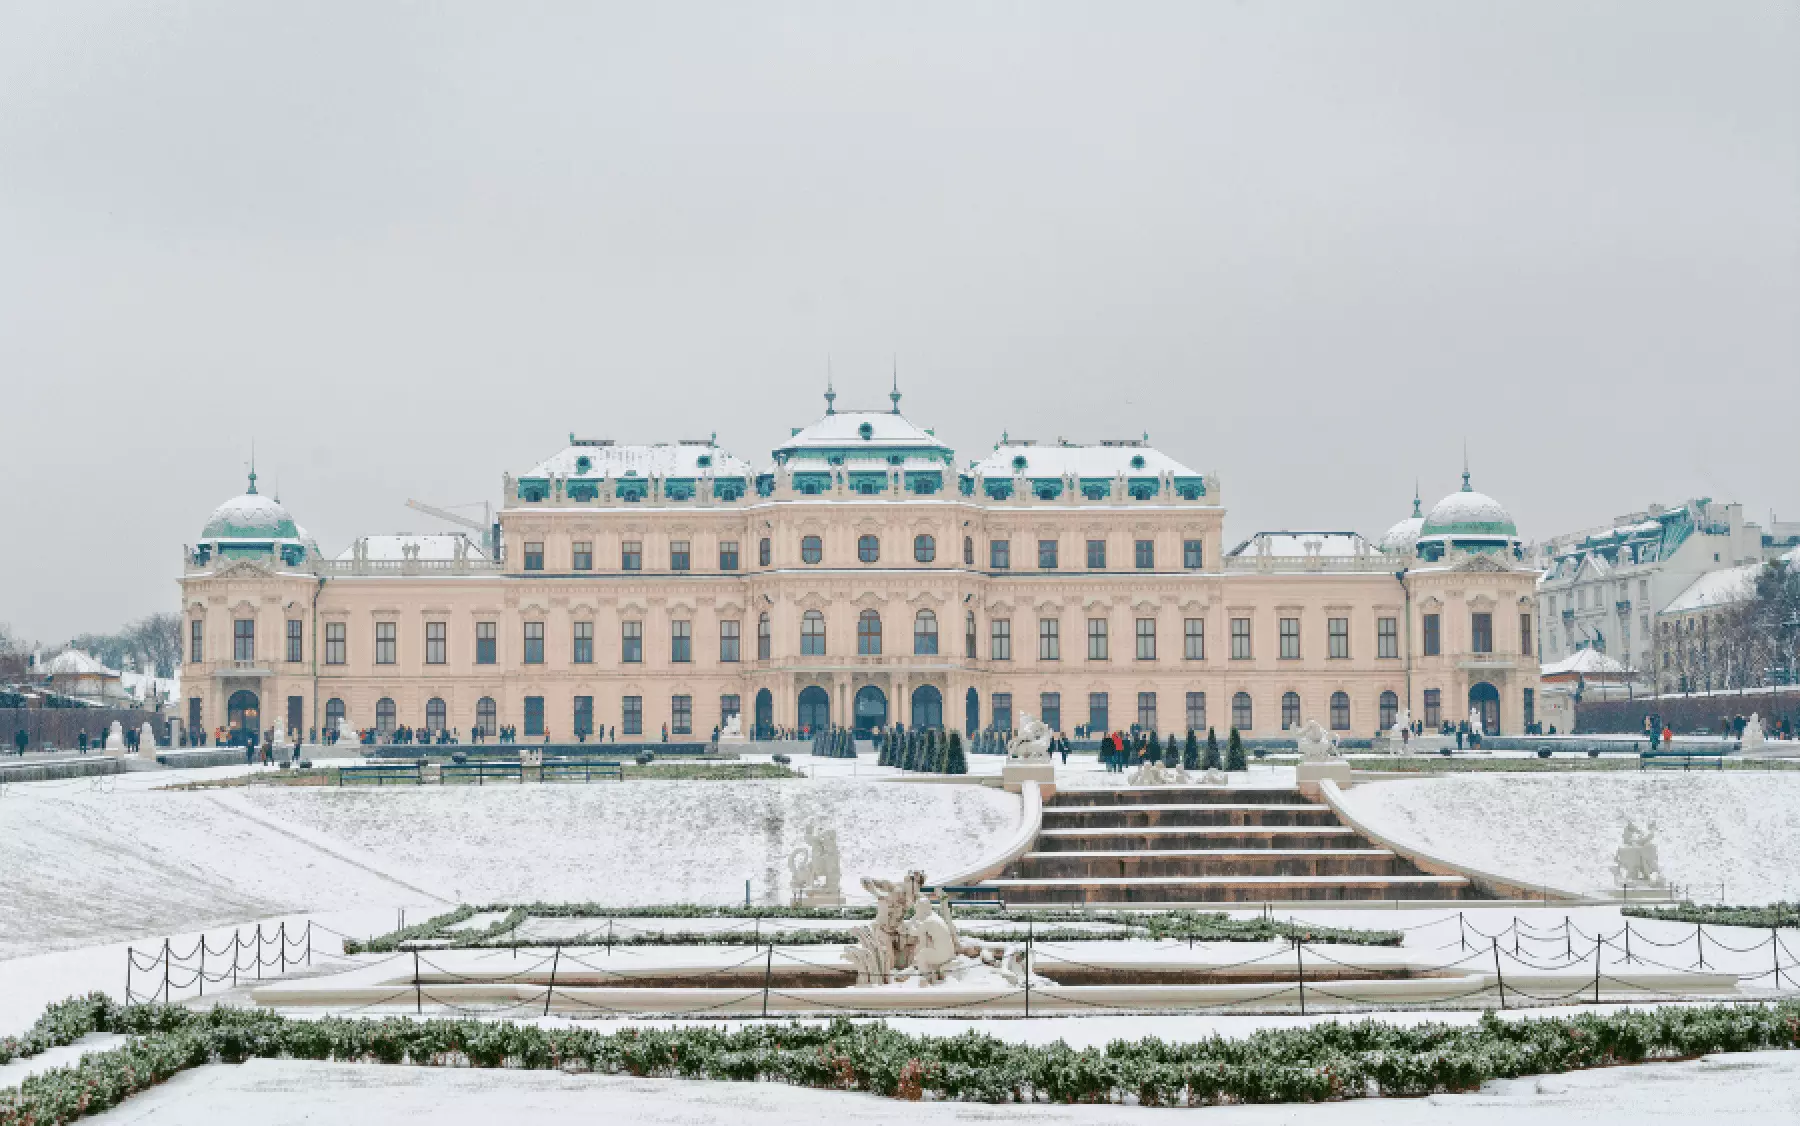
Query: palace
point(863, 578)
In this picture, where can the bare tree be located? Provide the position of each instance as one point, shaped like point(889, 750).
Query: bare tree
point(156, 639)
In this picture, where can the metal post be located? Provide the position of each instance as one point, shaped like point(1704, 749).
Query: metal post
point(746, 895)
point(1775, 954)
point(1300, 973)
point(309, 942)
point(1700, 946)
point(166, 970)
point(281, 940)
point(555, 961)
point(237, 944)
point(1030, 935)
point(1598, 943)
point(1498, 977)
point(768, 969)
point(609, 929)
point(418, 987)
point(202, 963)
point(1568, 940)
point(130, 956)
point(1628, 942)
point(758, 934)
point(259, 942)
point(1462, 933)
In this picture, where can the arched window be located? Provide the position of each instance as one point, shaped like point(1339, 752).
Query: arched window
point(334, 714)
point(968, 551)
point(868, 634)
point(764, 640)
point(812, 634)
point(868, 548)
point(384, 716)
point(925, 633)
point(811, 549)
point(1390, 709)
point(437, 717)
point(1240, 711)
point(486, 717)
point(969, 635)
point(1290, 710)
point(924, 548)
point(1340, 711)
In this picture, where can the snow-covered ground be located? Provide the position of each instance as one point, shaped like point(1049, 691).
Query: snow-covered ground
point(1739, 832)
point(1752, 1089)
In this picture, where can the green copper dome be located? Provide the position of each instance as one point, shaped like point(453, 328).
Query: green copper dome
point(251, 517)
point(1468, 513)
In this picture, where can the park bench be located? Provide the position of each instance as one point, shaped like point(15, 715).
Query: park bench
point(381, 773)
point(581, 770)
point(1682, 760)
point(480, 772)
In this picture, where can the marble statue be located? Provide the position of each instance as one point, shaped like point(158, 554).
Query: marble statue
point(1154, 773)
point(1636, 861)
point(815, 869)
point(1475, 722)
point(1315, 743)
point(531, 756)
point(911, 936)
point(115, 739)
point(733, 729)
point(147, 737)
point(1754, 739)
point(345, 731)
point(1031, 742)
point(280, 736)
point(1402, 729)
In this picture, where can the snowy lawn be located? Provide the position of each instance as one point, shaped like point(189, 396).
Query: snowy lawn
point(1741, 831)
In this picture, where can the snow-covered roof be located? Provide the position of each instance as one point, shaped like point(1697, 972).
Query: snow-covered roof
point(663, 459)
point(250, 517)
point(433, 547)
point(1399, 539)
point(1583, 662)
point(1468, 513)
point(1716, 588)
point(876, 429)
point(73, 662)
point(1075, 460)
point(1332, 545)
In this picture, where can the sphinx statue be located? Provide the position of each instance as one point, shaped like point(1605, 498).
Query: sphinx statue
point(1316, 744)
point(1031, 742)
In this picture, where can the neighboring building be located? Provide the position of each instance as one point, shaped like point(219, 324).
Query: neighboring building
point(1587, 674)
point(861, 579)
point(77, 674)
point(1603, 588)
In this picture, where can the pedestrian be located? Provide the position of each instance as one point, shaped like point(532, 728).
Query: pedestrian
point(20, 741)
point(1667, 735)
point(81, 740)
point(665, 733)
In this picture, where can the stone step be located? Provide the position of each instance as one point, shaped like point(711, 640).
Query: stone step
point(1163, 815)
point(1198, 836)
point(1227, 889)
point(1185, 863)
point(1177, 795)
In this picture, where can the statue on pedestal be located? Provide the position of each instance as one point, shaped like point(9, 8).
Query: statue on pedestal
point(1636, 861)
point(1316, 744)
point(815, 869)
point(1031, 742)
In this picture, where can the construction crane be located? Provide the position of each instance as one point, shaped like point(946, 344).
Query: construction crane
point(485, 526)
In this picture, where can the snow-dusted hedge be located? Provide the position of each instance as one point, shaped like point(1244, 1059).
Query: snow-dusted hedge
point(1326, 1061)
point(1773, 915)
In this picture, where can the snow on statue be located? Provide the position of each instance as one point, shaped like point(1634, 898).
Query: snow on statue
point(1636, 861)
point(815, 869)
point(1402, 729)
point(1475, 722)
point(913, 939)
point(1031, 742)
point(1753, 733)
point(1315, 743)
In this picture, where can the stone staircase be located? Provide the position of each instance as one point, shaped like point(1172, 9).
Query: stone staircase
point(1165, 844)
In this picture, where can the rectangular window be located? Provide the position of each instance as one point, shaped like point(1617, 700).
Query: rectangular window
point(1525, 634)
point(1144, 553)
point(1000, 554)
point(763, 551)
point(1290, 639)
point(728, 555)
point(1433, 636)
point(243, 639)
point(631, 716)
point(1530, 706)
point(1193, 639)
point(728, 707)
point(728, 640)
point(584, 715)
point(1481, 633)
point(764, 640)
point(1003, 713)
point(631, 642)
point(631, 555)
point(1387, 637)
point(1196, 711)
point(1097, 721)
point(193, 720)
point(681, 715)
point(1147, 712)
point(295, 649)
point(1240, 639)
point(584, 561)
point(386, 643)
point(1096, 553)
point(584, 643)
point(678, 555)
point(681, 642)
point(534, 715)
point(1000, 638)
point(1434, 711)
point(534, 643)
point(1047, 555)
point(1096, 639)
point(1146, 639)
point(1049, 639)
point(437, 643)
point(1337, 638)
point(487, 643)
point(1050, 709)
point(534, 555)
point(334, 643)
point(1193, 554)
point(196, 641)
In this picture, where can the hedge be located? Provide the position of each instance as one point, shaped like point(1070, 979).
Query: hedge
point(1770, 915)
point(1323, 1062)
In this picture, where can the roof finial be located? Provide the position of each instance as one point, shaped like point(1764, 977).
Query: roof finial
point(894, 395)
point(1416, 511)
point(251, 491)
point(1465, 487)
point(830, 395)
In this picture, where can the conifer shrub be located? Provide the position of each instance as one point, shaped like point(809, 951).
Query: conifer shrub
point(1234, 752)
point(1171, 754)
point(1212, 760)
point(1190, 752)
point(956, 762)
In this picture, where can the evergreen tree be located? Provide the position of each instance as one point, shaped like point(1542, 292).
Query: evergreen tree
point(940, 754)
point(1234, 752)
point(1190, 752)
point(1171, 753)
point(1211, 762)
point(956, 763)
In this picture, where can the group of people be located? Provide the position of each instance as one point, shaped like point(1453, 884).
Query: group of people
point(1120, 749)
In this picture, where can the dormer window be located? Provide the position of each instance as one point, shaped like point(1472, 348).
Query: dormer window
point(704, 461)
point(866, 431)
point(1137, 461)
point(1019, 463)
point(583, 463)
point(837, 459)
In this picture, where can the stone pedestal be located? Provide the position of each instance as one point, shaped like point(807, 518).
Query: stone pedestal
point(1014, 774)
point(1310, 774)
point(818, 897)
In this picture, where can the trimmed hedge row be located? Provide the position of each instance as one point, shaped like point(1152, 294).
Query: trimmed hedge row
point(1770, 915)
point(1326, 1061)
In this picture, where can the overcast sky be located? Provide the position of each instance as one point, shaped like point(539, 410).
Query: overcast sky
point(1310, 248)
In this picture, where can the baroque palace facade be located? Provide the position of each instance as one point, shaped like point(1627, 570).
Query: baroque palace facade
point(862, 579)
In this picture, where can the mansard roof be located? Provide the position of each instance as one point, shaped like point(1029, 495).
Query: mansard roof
point(880, 433)
point(1128, 457)
point(600, 458)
